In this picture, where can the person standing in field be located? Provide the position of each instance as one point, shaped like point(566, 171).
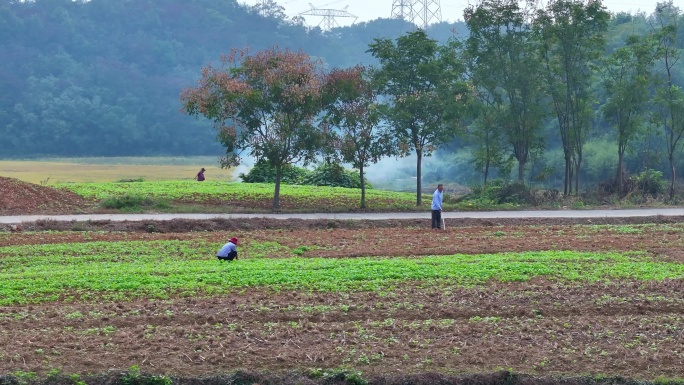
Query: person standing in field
point(437, 207)
point(229, 251)
point(200, 175)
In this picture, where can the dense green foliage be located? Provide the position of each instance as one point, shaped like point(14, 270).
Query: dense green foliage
point(651, 182)
point(158, 269)
point(326, 174)
point(263, 172)
point(333, 175)
point(499, 192)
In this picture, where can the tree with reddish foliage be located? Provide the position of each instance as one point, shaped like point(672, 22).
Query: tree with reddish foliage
point(266, 103)
point(352, 110)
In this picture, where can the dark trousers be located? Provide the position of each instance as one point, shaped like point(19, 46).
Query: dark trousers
point(232, 255)
point(436, 219)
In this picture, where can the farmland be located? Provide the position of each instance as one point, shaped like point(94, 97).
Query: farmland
point(86, 170)
point(18, 197)
point(584, 298)
point(241, 197)
point(560, 299)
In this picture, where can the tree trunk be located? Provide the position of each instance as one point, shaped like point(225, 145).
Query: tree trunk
point(486, 171)
point(363, 188)
point(521, 172)
point(566, 180)
point(577, 176)
point(419, 174)
point(276, 194)
point(673, 177)
point(619, 177)
point(571, 177)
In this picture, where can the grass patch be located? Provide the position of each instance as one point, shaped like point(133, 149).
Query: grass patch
point(134, 203)
point(159, 269)
point(303, 198)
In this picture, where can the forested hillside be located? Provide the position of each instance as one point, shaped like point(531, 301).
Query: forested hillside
point(103, 77)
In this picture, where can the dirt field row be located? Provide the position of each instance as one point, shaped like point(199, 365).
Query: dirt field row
point(660, 236)
point(626, 328)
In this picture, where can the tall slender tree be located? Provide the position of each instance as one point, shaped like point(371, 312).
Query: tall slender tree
point(668, 106)
point(505, 68)
point(627, 81)
point(266, 103)
point(352, 110)
point(571, 37)
point(486, 138)
point(425, 92)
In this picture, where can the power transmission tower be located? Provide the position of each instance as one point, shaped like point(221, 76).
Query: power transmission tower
point(418, 12)
point(403, 10)
point(329, 16)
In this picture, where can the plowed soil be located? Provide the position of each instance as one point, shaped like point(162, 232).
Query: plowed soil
point(626, 328)
point(22, 198)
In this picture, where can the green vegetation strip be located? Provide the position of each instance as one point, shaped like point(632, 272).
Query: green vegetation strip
point(158, 269)
point(191, 190)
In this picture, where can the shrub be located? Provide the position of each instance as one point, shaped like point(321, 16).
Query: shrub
point(500, 192)
point(648, 182)
point(131, 202)
point(333, 175)
point(263, 172)
point(651, 182)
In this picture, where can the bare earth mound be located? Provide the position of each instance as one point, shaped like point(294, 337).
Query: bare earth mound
point(20, 198)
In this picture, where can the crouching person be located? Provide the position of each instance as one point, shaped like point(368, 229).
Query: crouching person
point(229, 251)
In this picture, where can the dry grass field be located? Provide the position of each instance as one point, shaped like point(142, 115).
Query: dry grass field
point(48, 172)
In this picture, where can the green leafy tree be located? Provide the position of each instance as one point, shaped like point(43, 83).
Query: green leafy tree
point(488, 143)
point(570, 35)
point(425, 92)
point(353, 111)
point(668, 104)
point(265, 103)
point(505, 67)
point(627, 79)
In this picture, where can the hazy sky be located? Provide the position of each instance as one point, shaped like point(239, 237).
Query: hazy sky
point(452, 10)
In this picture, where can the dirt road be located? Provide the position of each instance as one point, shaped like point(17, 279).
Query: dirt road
point(649, 212)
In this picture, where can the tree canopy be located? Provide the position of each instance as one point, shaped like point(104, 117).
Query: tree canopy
point(265, 103)
point(425, 89)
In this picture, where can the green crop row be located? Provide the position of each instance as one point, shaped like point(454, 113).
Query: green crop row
point(197, 192)
point(158, 269)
